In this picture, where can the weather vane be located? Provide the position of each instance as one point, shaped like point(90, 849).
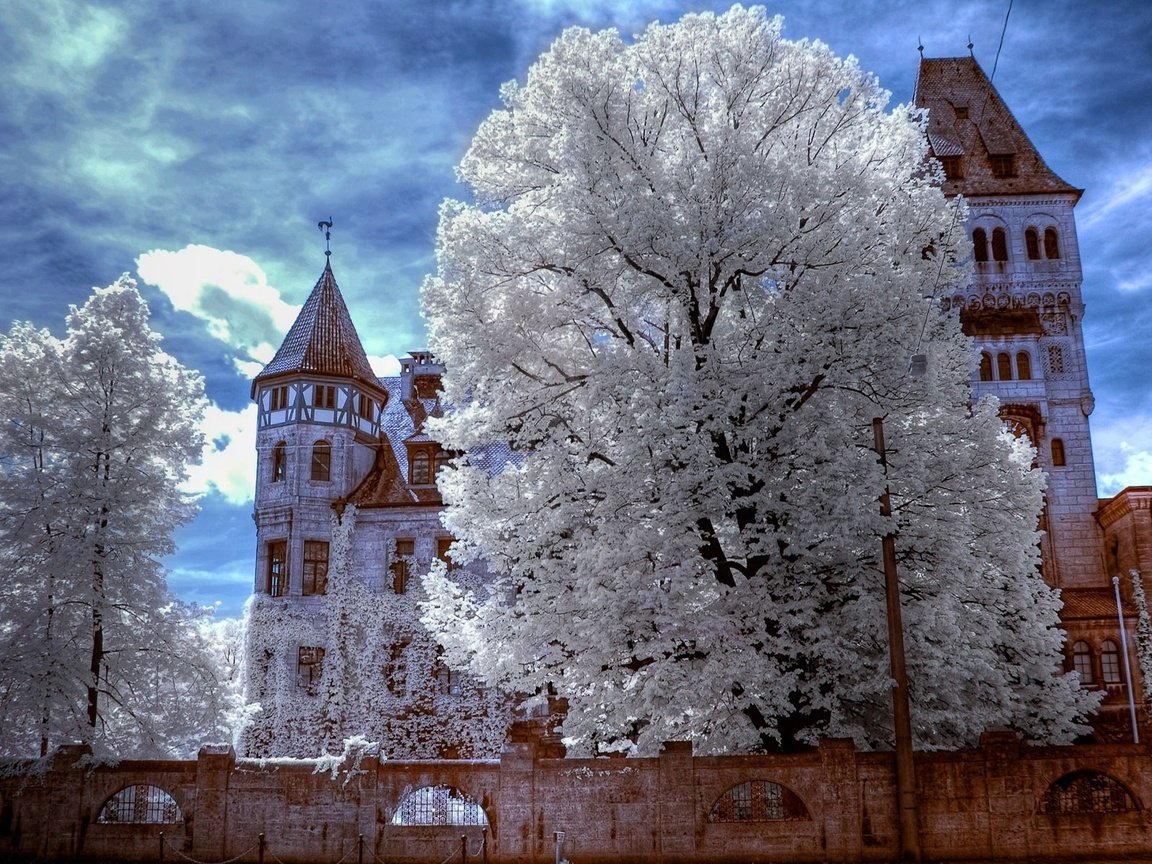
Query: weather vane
point(326, 227)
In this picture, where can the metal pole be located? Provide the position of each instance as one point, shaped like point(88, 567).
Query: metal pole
point(161, 847)
point(463, 849)
point(558, 837)
point(360, 849)
point(1127, 665)
point(901, 714)
point(260, 850)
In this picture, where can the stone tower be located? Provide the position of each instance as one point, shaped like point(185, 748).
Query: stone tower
point(1023, 307)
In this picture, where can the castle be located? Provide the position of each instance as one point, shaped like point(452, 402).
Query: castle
point(346, 475)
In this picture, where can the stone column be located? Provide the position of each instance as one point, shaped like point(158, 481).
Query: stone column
point(208, 828)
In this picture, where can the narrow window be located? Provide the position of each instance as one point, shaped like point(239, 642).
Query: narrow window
point(277, 568)
point(999, 245)
point(1110, 662)
point(442, 457)
point(450, 682)
point(1032, 244)
point(396, 670)
point(1082, 662)
point(1023, 366)
point(314, 579)
point(322, 461)
point(401, 565)
point(985, 366)
point(1058, 452)
point(953, 167)
point(1003, 366)
point(364, 406)
point(309, 668)
point(1051, 244)
point(279, 462)
point(443, 544)
point(421, 468)
point(324, 396)
point(278, 400)
point(1003, 165)
point(980, 244)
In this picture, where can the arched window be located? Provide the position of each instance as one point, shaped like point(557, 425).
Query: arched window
point(980, 244)
point(1058, 452)
point(138, 805)
point(439, 805)
point(1051, 244)
point(1023, 366)
point(985, 366)
point(758, 801)
point(322, 461)
point(279, 462)
point(421, 468)
point(1004, 366)
point(1110, 662)
point(999, 245)
point(1082, 661)
point(1032, 244)
point(1086, 792)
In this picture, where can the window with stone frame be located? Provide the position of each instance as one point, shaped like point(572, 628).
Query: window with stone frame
point(985, 366)
point(758, 801)
point(980, 245)
point(1003, 366)
point(277, 581)
point(401, 566)
point(279, 462)
point(1051, 244)
point(1087, 791)
point(1032, 244)
point(309, 668)
point(1058, 457)
point(140, 805)
point(999, 244)
point(1110, 662)
point(1082, 662)
point(321, 462)
point(1023, 366)
point(314, 575)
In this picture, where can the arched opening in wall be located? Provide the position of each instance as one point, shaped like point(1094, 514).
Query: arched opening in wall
point(1023, 366)
point(1051, 244)
point(1110, 662)
point(985, 366)
point(279, 462)
point(999, 245)
point(1087, 791)
point(1058, 459)
point(322, 461)
point(758, 801)
point(980, 245)
point(439, 805)
point(140, 805)
point(1004, 366)
point(1082, 662)
point(1032, 244)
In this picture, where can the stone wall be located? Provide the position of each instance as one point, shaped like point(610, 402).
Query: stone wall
point(999, 802)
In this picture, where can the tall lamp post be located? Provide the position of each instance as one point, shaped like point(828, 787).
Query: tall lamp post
point(901, 714)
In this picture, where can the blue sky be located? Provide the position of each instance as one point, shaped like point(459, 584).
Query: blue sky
point(196, 145)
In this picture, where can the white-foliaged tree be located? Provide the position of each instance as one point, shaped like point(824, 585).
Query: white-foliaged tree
point(696, 268)
point(98, 430)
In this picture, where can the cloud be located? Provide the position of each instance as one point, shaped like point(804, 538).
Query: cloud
point(229, 293)
point(228, 461)
point(1123, 454)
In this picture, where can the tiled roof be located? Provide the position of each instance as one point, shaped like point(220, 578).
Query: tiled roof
point(1089, 603)
point(322, 340)
point(951, 87)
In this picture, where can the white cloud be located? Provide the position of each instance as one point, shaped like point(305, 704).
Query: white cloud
point(228, 463)
point(1133, 186)
point(384, 366)
point(1123, 454)
point(229, 292)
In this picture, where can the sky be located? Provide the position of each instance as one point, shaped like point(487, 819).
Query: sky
point(196, 146)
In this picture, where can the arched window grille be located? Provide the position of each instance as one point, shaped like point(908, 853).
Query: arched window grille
point(980, 244)
point(322, 461)
point(1086, 792)
point(1004, 366)
point(999, 245)
point(1023, 366)
point(1110, 662)
point(141, 804)
point(1058, 452)
point(1082, 661)
point(1032, 244)
point(439, 805)
point(985, 366)
point(1051, 244)
point(279, 462)
point(758, 801)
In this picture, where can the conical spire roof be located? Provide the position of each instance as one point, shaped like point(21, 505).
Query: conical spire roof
point(967, 118)
point(323, 340)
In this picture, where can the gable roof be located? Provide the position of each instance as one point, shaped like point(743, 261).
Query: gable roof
point(322, 340)
point(946, 84)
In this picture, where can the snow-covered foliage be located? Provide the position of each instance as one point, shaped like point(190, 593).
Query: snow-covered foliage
point(1143, 633)
point(697, 267)
point(99, 429)
point(381, 675)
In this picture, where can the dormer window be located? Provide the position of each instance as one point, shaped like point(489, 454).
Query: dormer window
point(421, 468)
point(961, 112)
point(1003, 164)
point(953, 167)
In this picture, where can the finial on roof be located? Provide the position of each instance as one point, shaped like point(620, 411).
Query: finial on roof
point(970, 46)
point(920, 46)
point(326, 227)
